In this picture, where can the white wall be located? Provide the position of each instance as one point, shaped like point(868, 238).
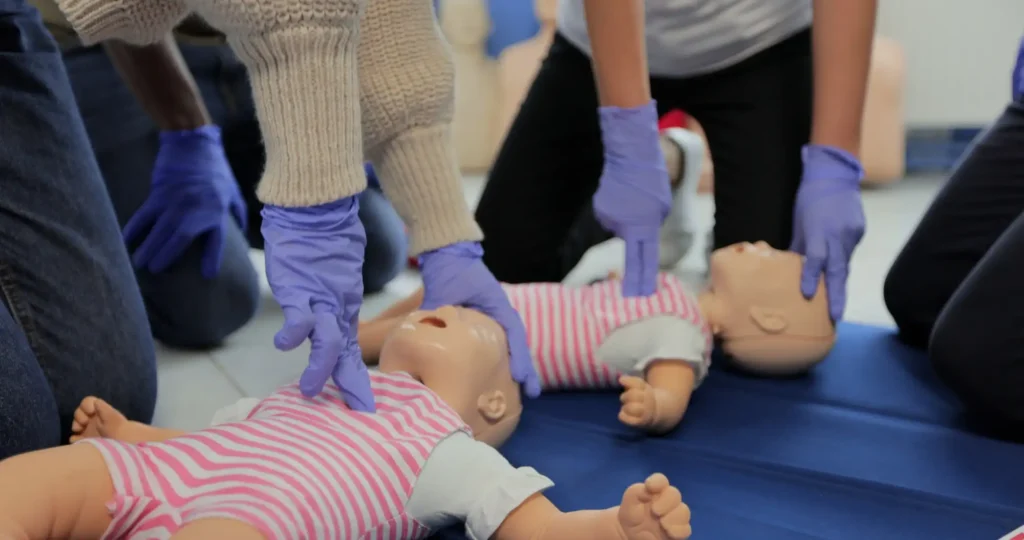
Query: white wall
point(959, 53)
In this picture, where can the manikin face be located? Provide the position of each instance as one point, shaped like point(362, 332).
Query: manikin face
point(757, 310)
point(462, 355)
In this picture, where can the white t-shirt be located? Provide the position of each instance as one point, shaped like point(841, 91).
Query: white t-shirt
point(691, 37)
point(463, 481)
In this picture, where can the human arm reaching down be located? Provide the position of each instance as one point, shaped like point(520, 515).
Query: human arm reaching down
point(194, 196)
point(828, 217)
point(634, 195)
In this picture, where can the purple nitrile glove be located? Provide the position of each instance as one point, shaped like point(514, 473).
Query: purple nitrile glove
point(315, 268)
point(1018, 73)
point(456, 275)
point(634, 195)
point(192, 197)
point(828, 221)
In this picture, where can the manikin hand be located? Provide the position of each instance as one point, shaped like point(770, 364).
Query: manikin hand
point(654, 510)
point(639, 403)
point(828, 221)
point(634, 195)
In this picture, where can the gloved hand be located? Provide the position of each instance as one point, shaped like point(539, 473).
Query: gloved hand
point(1018, 74)
point(193, 194)
point(634, 195)
point(456, 275)
point(828, 221)
point(315, 268)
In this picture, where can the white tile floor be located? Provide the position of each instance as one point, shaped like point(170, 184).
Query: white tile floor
point(194, 385)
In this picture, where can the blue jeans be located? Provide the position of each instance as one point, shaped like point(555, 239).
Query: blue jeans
point(126, 142)
point(72, 320)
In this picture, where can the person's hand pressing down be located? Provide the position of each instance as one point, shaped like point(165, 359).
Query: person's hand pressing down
point(315, 268)
point(456, 275)
point(828, 221)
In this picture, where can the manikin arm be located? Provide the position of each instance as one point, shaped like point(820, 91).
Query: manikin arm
point(616, 31)
point(161, 82)
point(539, 519)
point(843, 34)
point(671, 383)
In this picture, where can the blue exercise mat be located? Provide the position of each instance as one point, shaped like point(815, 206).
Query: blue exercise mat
point(869, 446)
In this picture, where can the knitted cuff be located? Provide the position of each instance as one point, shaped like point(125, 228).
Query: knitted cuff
point(420, 176)
point(139, 22)
point(306, 89)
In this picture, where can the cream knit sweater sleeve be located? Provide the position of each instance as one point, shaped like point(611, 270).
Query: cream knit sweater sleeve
point(140, 22)
point(407, 82)
point(312, 95)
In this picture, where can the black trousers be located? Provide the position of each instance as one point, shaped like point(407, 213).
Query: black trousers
point(964, 260)
point(536, 208)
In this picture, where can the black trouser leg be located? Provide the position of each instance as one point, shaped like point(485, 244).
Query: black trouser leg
point(957, 283)
point(545, 175)
point(756, 116)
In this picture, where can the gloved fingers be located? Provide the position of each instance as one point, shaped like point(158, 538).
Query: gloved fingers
point(160, 239)
point(240, 212)
point(353, 381)
point(169, 252)
point(140, 223)
point(213, 253)
point(327, 345)
point(836, 274)
point(814, 266)
point(298, 325)
point(641, 275)
point(520, 359)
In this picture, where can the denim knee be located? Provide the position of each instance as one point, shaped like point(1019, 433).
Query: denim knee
point(28, 411)
point(191, 312)
point(386, 245)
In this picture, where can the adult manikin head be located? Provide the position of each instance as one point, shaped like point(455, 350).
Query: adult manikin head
point(756, 310)
point(462, 355)
point(466, 23)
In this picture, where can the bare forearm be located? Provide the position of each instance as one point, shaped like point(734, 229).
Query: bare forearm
point(616, 29)
point(538, 519)
point(161, 82)
point(843, 34)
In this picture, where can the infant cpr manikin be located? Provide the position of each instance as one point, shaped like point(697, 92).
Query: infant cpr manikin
point(292, 467)
point(658, 348)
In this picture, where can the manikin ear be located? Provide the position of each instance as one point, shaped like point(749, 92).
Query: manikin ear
point(771, 321)
point(492, 405)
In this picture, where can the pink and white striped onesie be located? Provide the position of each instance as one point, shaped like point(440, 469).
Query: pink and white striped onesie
point(295, 469)
point(570, 330)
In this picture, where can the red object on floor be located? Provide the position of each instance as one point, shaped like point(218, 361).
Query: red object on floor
point(674, 118)
point(413, 263)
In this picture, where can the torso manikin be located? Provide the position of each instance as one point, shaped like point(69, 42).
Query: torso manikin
point(883, 133)
point(565, 326)
point(295, 468)
point(466, 25)
point(518, 65)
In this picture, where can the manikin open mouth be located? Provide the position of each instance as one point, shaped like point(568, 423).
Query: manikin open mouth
point(434, 321)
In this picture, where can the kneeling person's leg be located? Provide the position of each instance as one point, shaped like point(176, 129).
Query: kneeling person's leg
point(63, 267)
point(977, 346)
